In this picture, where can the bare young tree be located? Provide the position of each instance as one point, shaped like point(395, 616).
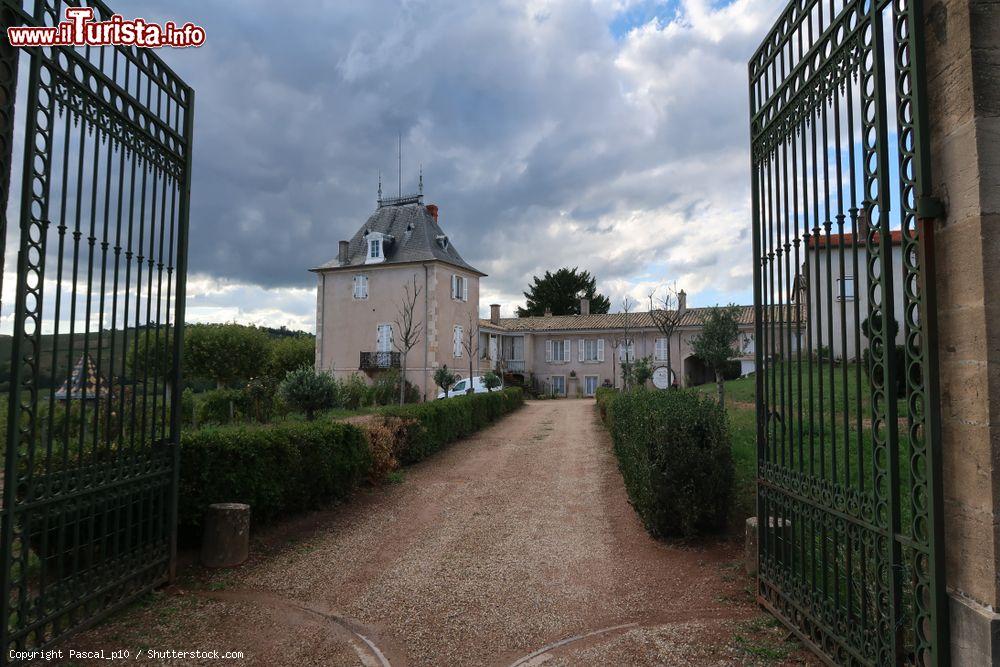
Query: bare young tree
point(470, 343)
point(410, 331)
point(627, 305)
point(666, 316)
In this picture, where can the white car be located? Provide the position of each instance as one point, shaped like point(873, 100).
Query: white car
point(461, 388)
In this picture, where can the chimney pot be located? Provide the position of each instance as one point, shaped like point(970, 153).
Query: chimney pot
point(585, 306)
point(682, 302)
point(342, 253)
point(495, 313)
point(433, 210)
point(864, 225)
point(548, 312)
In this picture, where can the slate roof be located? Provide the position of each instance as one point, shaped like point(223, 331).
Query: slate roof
point(416, 237)
point(693, 317)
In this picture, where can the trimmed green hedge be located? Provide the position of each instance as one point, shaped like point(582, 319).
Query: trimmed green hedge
point(675, 455)
point(277, 470)
point(433, 425)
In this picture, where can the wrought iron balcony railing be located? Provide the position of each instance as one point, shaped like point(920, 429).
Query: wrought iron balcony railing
point(372, 361)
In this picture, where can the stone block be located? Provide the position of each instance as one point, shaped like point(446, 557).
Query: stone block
point(226, 540)
point(975, 632)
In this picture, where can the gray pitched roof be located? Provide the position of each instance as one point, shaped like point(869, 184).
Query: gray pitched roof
point(416, 237)
point(692, 317)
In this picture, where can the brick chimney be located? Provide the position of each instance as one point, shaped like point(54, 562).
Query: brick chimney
point(548, 312)
point(342, 253)
point(585, 306)
point(495, 313)
point(433, 210)
point(682, 302)
point(863, 225)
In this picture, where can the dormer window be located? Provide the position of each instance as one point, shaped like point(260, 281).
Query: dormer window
point(376, 250)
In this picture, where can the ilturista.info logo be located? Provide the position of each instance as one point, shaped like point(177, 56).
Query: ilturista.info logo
point(80, 29)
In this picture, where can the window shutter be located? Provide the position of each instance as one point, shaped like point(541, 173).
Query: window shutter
point(583, 352)
point(465, 289)
point(356, 286)
point(454, 286)
point(566, 348)
point(600, 349)
point(548, 351)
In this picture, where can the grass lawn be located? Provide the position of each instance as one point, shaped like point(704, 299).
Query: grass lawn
point(834, 445)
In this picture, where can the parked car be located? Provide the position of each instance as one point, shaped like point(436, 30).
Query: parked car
point(461, 387)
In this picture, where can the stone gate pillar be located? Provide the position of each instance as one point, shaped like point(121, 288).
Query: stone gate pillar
point(963, 85)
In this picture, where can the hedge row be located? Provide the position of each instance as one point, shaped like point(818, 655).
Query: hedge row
point(275, 469)
point(297, 466)
point(433, 425)
point(675, 456)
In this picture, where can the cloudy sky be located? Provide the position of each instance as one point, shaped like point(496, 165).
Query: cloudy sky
point(606, 134)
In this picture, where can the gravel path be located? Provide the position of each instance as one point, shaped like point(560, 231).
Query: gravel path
point(514, 547)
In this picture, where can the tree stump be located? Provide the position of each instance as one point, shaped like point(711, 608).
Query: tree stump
point(226, 540)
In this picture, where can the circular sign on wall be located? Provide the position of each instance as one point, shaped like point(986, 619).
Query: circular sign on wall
point(662, 377)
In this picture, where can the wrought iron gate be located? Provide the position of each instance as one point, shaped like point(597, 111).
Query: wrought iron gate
point(90, 481)
point(849, 488)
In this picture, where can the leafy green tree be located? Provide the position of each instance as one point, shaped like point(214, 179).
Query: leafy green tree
point(225, 353)
point(288, 354)
point(642, 371)
point(561, 291)
point(715, 346)
point(151, 355)
point(492, 380)
point(444, 378)
point(308, 391)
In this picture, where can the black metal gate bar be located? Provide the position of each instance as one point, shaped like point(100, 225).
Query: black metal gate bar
point(91, 451)
point(849, 488)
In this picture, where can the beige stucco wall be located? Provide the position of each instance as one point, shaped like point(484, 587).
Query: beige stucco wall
point(610, 368)
point(347, 326)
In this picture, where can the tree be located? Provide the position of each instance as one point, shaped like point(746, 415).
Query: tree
point(561, 292)
point(666, 316)
point(444, 378)
point(492, 381)
point(290, 353)
point(626, 340)
point(308, 391)
point(715, 345)
point(410, 331)
point(642, 371)
point(470, 343)
point(225, 353)
point(152, 355)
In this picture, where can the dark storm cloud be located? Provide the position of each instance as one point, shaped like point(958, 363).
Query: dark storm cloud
point(546, 138)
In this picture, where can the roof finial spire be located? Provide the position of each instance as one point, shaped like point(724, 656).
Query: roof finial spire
point(421, 186)
point(399, 155)
point(379, 187)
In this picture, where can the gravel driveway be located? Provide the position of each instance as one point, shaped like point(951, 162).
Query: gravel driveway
point(515, 546)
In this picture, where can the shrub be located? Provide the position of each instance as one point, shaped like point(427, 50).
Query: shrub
point(492, 381)
point(308, 391)
point(444, 378)
point(387, 438)
point(604, 395)
point(353, 393)
point(431, 426)
point(385, 390)
point(675, 455)
point(275, 469)
point(221, 406)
